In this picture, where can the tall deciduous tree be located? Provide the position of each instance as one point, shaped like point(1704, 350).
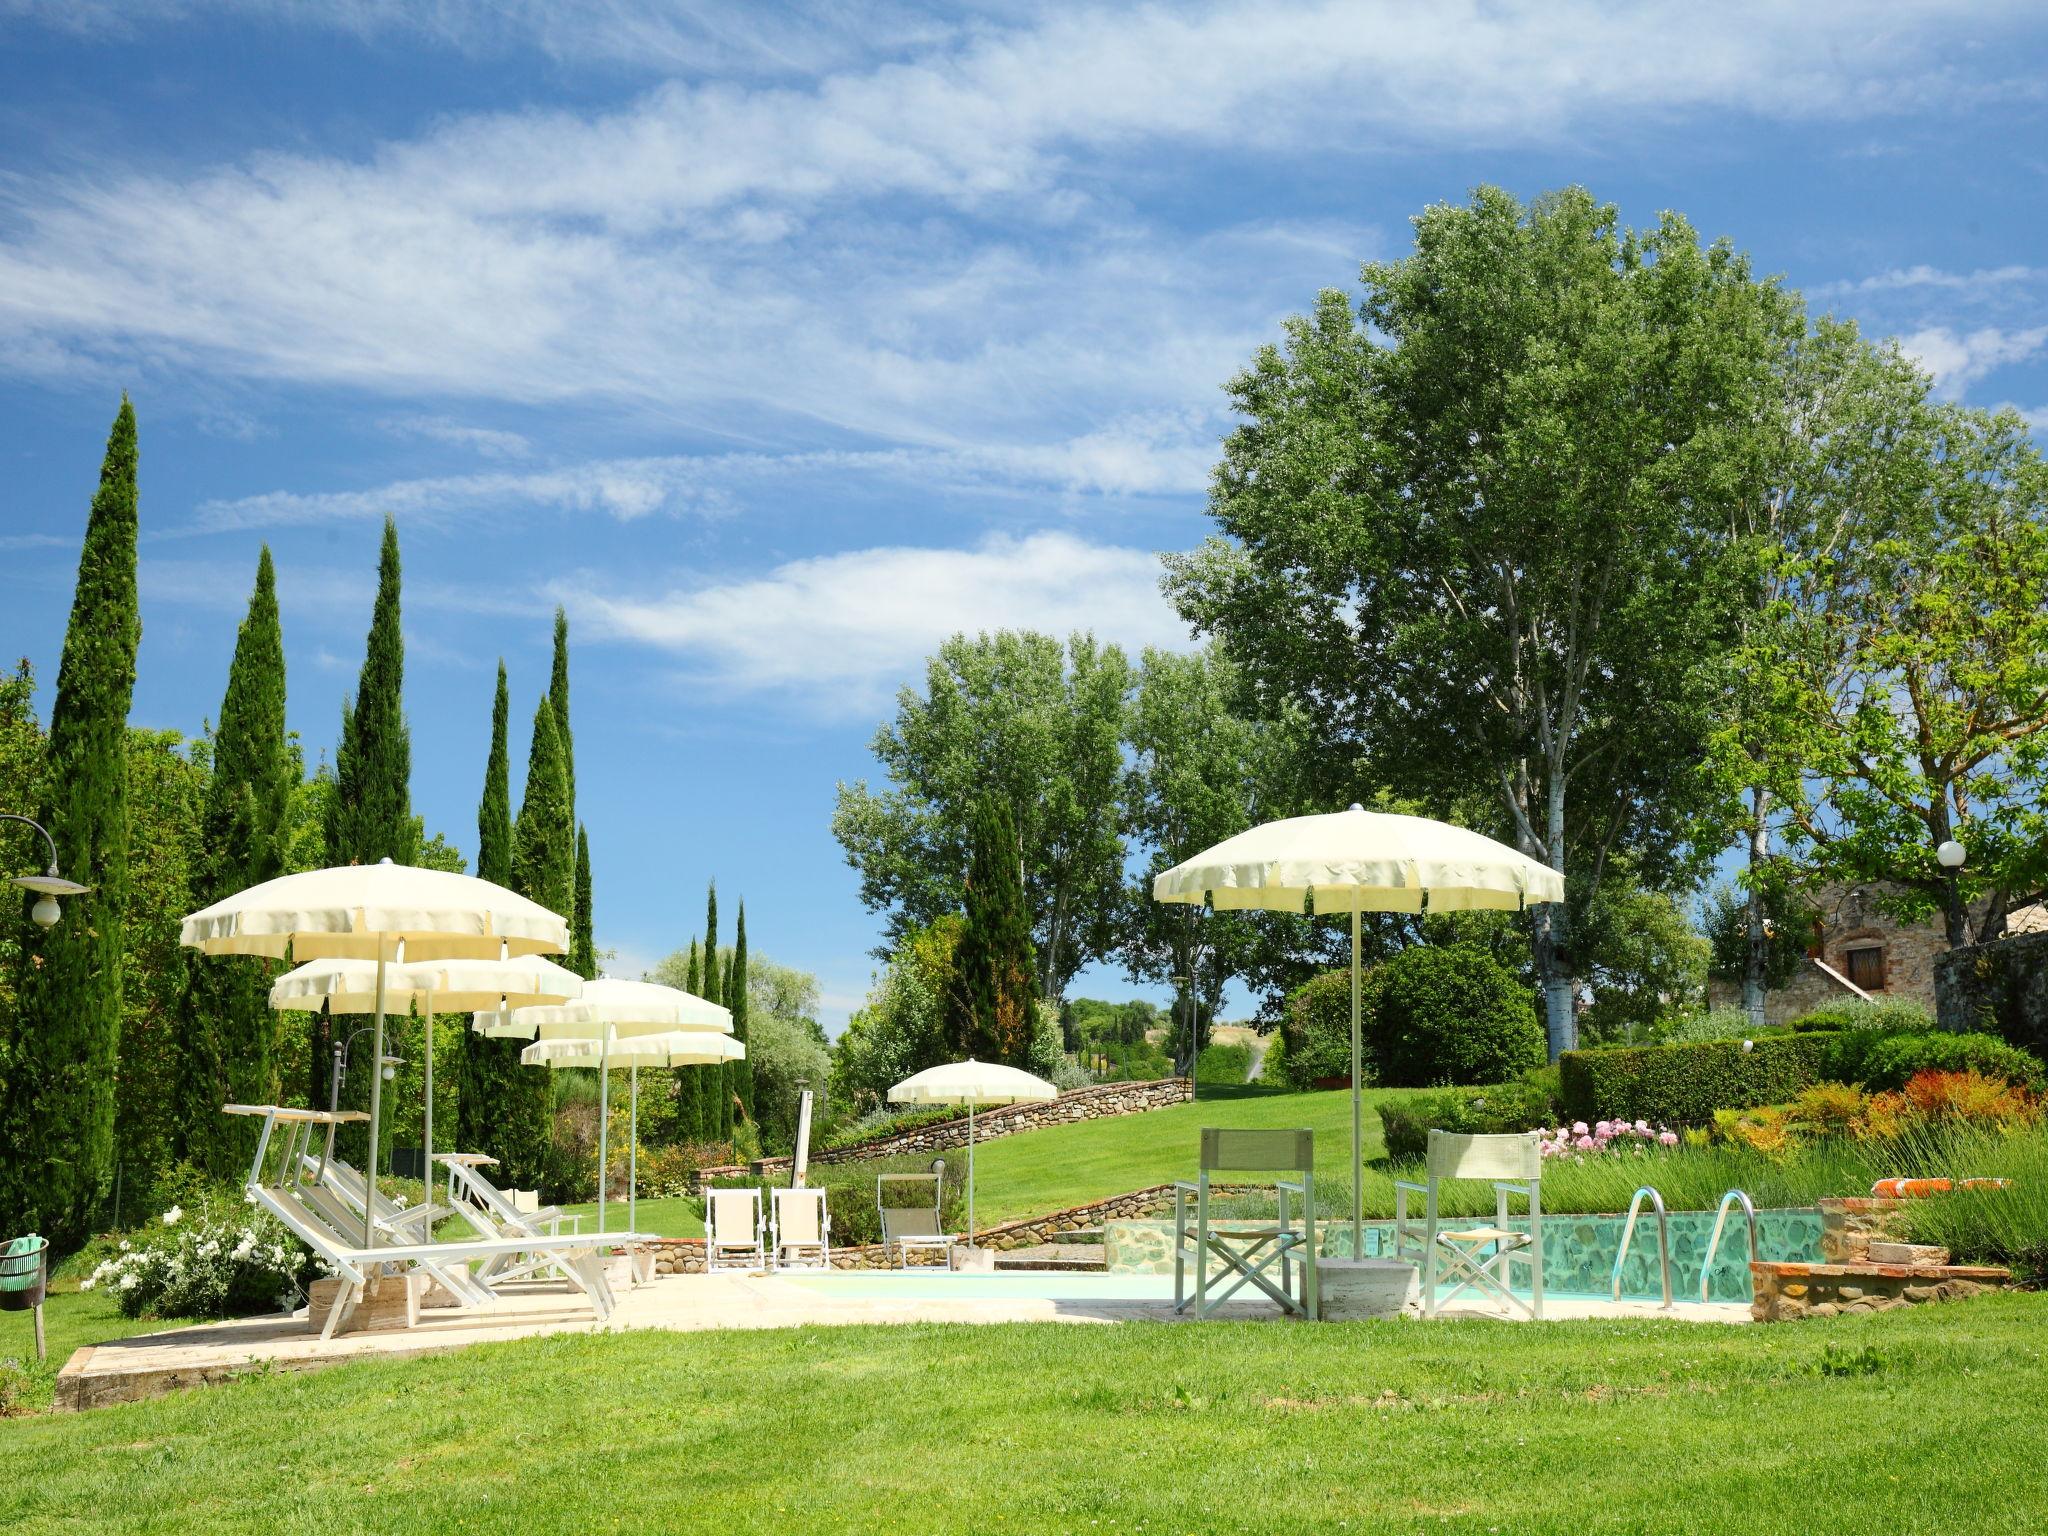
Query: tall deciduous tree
point(57, 1135)
point(992, 1009)
point(228, 1035)
point(370, 816)
point(1471, 528)
point(1909, 673)
point(1015, 716)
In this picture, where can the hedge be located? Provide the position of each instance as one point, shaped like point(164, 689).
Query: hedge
point(1681, 1085)
point(1879, 1060)
point(1491, 1111)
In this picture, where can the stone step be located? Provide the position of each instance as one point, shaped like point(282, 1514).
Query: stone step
point(1088, 1235)
point(1067, 1258)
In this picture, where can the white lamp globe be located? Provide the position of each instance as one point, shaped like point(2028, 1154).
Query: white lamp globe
point(1951, 854)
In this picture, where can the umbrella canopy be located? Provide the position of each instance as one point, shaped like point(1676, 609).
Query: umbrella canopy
point(626, 1008)
point(451, 986)
point(971, 1082)
point(361, 909)
point(693, 1048)
point(1359, 861)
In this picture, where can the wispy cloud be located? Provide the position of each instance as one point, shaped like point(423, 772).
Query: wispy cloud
point(488, 442)
point(1958, 359)
point(1984, 279)
point(836, 634)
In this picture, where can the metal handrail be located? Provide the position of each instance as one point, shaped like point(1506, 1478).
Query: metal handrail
point(1714, 1242)
point(1635, 1206)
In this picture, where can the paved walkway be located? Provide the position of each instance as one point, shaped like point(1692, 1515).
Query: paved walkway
point(146, 1365)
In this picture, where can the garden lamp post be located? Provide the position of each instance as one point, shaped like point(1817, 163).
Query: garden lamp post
point(49, 885)
point(1951, 855)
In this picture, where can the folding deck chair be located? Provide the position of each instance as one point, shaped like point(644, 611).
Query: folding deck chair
point(1249, 1252)
point(1476, 1257)
point(800, 1229)
point(908, 1228)
point(732, 1229)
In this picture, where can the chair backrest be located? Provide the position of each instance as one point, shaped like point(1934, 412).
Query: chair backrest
point(1229, 1149)
point(1518, 1157)
point(732, 1215)
point(909, 1221)
point(799, 1215)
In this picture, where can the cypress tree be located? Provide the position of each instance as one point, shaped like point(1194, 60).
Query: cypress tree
point(582, 939)
point(722, 1074)
point(558, 696)
point(487, 1066)
point(543, 870)
point(689, 1097)
point(711, 992)
point(736, 994)
point(370, 815)
point(228, 1034)
point(708, 1094)
point(990, 1006)
point(57, 1135)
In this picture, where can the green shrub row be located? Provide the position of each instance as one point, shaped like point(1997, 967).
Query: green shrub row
point(1682, 1085)
point(1880, 1060)
point(1230, 1064)
point(1496, 1110)
point(1877, 1016)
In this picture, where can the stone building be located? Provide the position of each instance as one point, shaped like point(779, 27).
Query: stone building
point(1857, 950)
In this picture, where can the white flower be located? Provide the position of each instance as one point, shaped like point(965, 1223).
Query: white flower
point(128, 1282)
point(172, 1217)
point(89, 1281)
point(126, 1245)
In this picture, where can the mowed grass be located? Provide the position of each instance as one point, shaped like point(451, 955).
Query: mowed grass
point(71, 1320)
point(1926, 1420)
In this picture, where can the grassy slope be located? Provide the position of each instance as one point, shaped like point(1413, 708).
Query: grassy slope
point(1921, 1421)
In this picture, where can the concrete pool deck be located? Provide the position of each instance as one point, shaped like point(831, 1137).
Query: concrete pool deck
point(148, 1364)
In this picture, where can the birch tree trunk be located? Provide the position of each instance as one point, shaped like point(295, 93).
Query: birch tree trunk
point(1756, 954)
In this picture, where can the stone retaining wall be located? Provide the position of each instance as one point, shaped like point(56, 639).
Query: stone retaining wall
point(1849, 1226)
point(1098, 1102)
point(1785, 1291)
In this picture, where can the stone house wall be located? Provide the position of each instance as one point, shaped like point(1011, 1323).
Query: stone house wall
point(1850, 920)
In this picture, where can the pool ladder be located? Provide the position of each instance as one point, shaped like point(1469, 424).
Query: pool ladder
point(1635, 1207)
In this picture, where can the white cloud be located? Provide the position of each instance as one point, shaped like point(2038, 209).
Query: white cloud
point(1958, 360)
point(487, 442)
point(836, 634)
point(1922, 276)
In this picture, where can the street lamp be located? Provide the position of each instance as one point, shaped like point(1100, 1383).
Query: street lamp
point(1950, 854)
point(389, 1064)
point(49, 885)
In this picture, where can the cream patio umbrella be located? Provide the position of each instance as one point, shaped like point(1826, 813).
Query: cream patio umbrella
point(677, 1048)
point(454, 986)
point(1360, 861)
point(971, 1082)
point(376, 912)
point(609, 1010)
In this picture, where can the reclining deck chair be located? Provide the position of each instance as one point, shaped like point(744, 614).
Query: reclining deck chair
point(732, 1229)
point(492, 1212)
point(1478, 1256)
point(317, 1215)
point(800, 1229)
point(1249, 1251)
point(908, 1227)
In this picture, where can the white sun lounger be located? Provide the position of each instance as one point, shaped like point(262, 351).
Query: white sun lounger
point(317, 1214)
point(496, 1213)
point(801, 1227)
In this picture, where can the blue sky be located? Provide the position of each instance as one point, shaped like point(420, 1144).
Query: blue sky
point(778, 343)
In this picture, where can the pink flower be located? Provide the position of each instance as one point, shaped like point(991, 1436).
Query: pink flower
point(1668, 1138)
point(1578, 1127)
point(1642, 1125)
point(1586, 1143)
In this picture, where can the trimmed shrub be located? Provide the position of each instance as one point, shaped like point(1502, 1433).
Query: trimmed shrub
point(1497, 1110)
point(1318, 1030)
point(1273, 1065)
point(217, 1259)
point(1879, 1060)
point(1230, 1064)
point(1682, 1085)
point(1448, 1013)
point(1881, 1016)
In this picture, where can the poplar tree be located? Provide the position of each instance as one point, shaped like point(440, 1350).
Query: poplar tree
point(582, 938)
point(487, 1065)
point(227, 1038)
point(990, 1008)
point(736, 990)
point(57, 1134)
point(370, 815)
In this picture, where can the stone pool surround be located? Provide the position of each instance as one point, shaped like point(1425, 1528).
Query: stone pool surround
point(1788, 1291)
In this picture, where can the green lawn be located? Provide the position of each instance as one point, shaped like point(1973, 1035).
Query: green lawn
point(1928, 1420)
point(71, 1320)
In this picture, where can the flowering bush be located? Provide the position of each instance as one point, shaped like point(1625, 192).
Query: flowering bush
point(1843, 1110)
point(215, 1261)
point(1613, 1137)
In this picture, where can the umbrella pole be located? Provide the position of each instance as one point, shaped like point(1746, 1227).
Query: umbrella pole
point(427, 1125)
point(970, 1173)
point(1357, 1104)
point(604, 1116)
point(633, 1156)
point(376, 1108)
